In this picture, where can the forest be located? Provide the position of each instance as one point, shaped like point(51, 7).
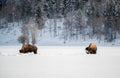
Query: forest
point(92, 18)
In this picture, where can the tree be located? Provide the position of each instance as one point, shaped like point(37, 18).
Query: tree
point(111, 15)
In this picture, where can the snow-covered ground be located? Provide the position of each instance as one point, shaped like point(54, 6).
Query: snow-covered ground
point(60, 62)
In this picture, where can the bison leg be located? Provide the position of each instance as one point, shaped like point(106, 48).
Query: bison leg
point(94, 52)
point(35, 52)
point(87, 52)
point(90, 51)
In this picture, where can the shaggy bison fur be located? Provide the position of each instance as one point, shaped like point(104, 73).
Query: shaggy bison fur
point(26, 48)
point(91, 49)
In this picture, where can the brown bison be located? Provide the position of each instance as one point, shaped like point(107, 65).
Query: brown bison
point(91, 49)
point(26, 48)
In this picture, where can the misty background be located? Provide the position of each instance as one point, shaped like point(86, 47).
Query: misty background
point(70, 20)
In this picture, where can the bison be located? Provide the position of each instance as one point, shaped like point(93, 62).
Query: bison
point(91, 49)
point(26, 48)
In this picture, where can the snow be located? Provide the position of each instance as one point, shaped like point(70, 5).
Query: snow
point(9, 36)
point(60, 62)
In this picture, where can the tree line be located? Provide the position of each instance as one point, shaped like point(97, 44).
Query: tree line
point(92, 18)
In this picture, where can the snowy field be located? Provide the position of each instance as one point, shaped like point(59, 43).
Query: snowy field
point(60, 62)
